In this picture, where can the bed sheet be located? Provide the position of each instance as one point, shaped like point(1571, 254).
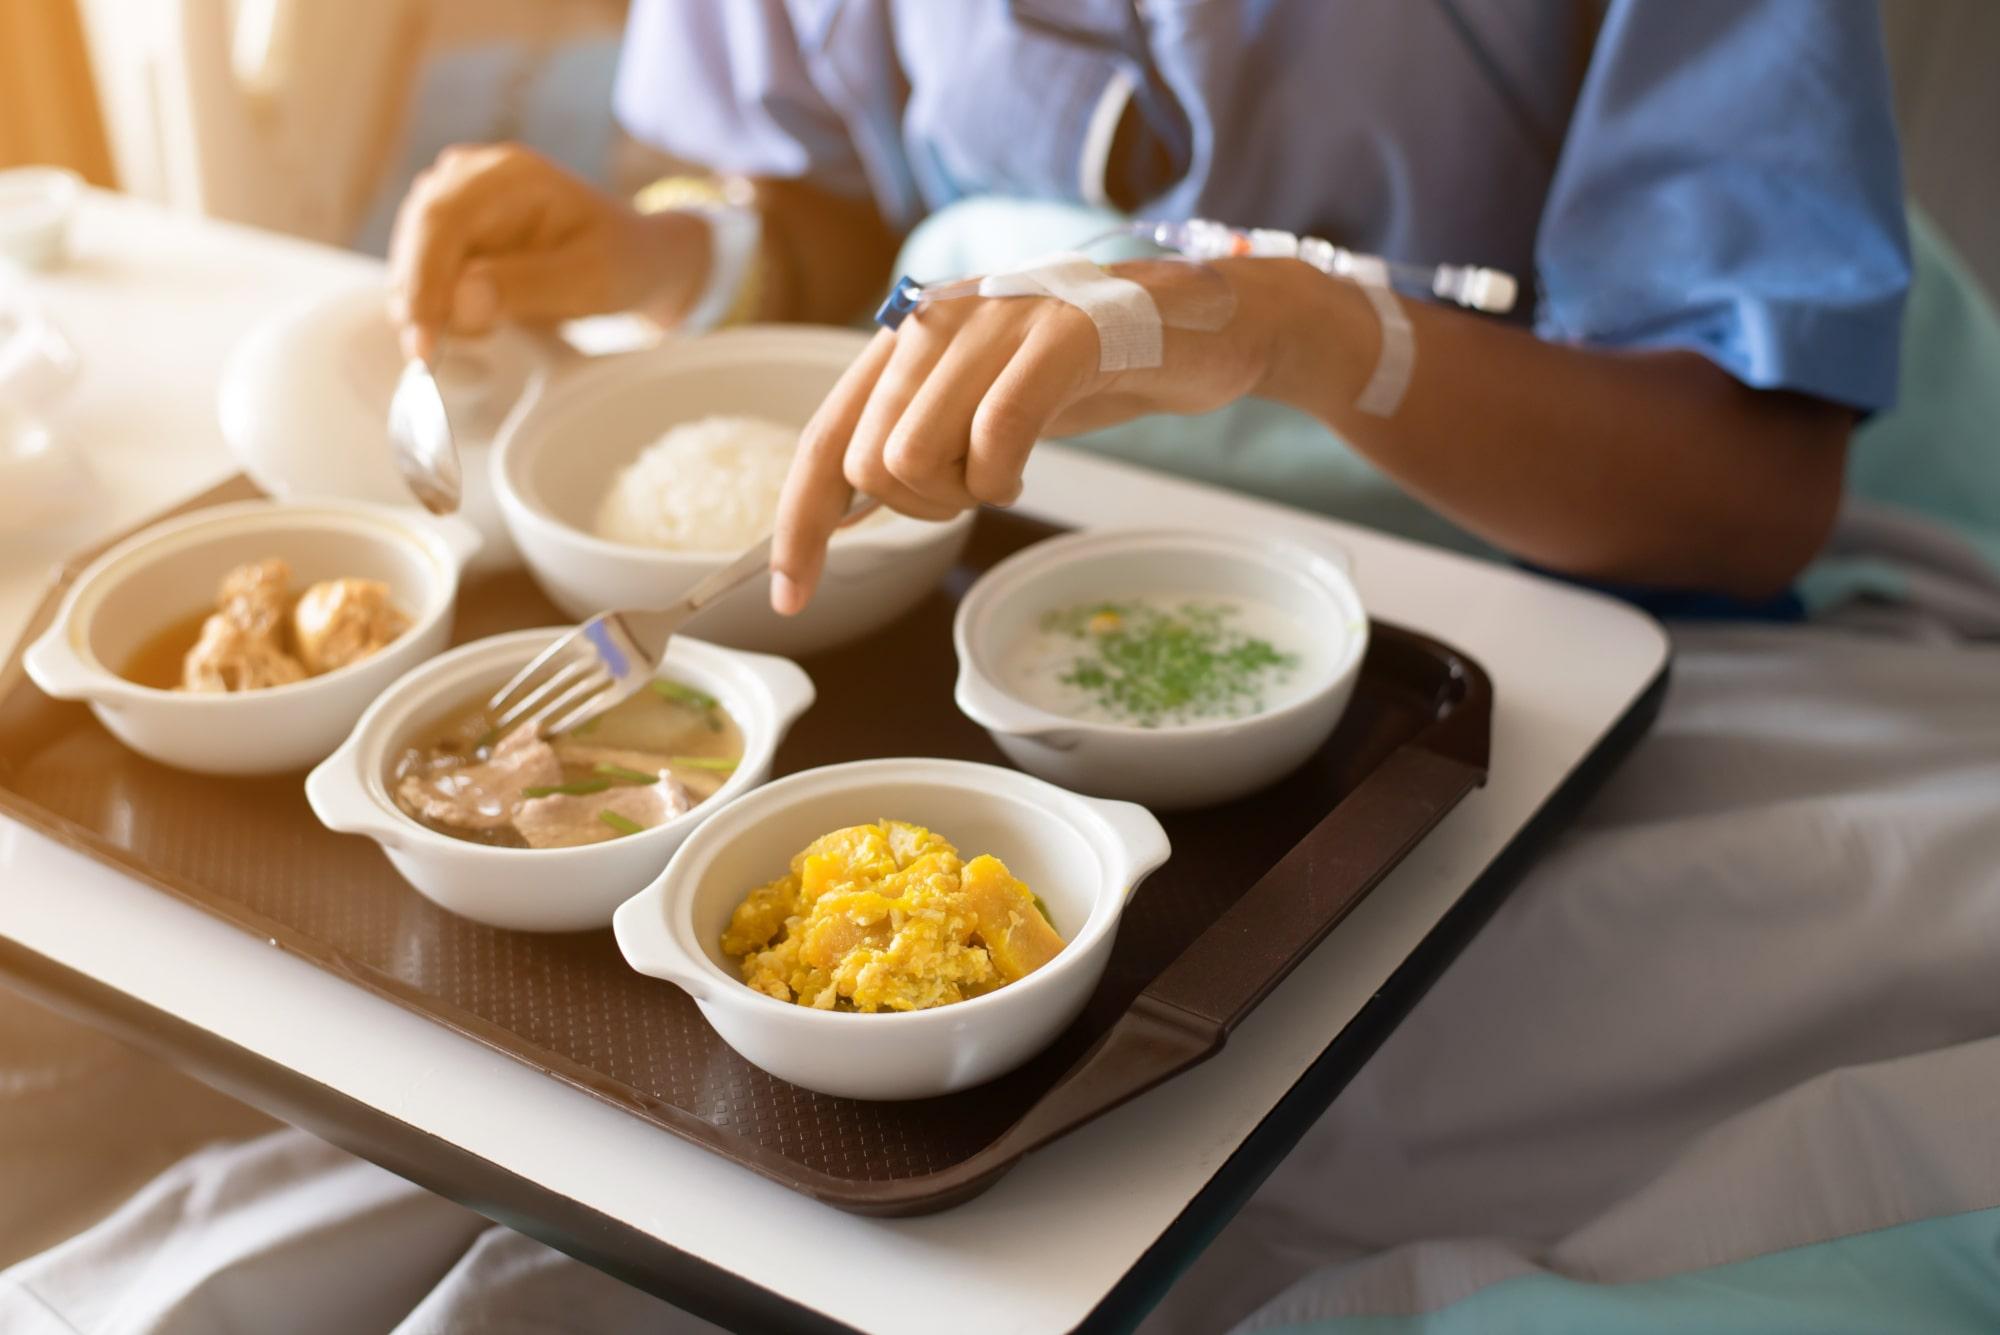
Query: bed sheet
point(1728, 1059)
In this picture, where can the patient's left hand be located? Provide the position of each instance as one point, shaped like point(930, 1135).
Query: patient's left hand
point(940, 414)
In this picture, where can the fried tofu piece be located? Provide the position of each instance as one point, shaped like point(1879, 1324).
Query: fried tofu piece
point(254, 596)
point(241, 647)
point(229, 657)
point(342, 621)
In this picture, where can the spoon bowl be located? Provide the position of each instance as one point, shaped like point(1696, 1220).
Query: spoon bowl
point(420, 439)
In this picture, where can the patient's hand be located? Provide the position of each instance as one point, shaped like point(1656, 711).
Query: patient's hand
point(940, 415)
point(498, 232)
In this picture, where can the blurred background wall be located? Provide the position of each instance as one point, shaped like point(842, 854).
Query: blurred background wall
point(310, 116)
point(48, 104)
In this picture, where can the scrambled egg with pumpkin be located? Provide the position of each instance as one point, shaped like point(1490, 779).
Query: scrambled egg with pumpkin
point(888, 917)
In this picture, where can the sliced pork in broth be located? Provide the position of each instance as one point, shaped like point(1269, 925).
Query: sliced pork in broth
point(637, 766)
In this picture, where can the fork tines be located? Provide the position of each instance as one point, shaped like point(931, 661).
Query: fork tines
point(571, 681)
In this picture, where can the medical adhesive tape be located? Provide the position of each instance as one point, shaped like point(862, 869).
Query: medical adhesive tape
point(1128, 323)
point(1383, 393)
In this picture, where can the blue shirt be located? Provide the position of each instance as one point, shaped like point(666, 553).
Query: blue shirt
point(1717, 175)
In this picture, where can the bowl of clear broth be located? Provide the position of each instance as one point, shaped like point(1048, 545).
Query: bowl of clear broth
point(551, 834)
point(247, 638)
point(1176, 669)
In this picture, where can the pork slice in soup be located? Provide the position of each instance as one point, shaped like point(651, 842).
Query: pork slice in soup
point(564, 820)
point(462, 795)
point(636, 766)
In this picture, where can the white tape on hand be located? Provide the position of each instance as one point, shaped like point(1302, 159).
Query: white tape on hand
point(1128, 323)
point(1383, 393)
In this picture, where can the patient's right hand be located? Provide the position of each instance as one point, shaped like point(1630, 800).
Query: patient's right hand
point(496, 232)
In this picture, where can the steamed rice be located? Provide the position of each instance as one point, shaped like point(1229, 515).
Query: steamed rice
point(707, 485)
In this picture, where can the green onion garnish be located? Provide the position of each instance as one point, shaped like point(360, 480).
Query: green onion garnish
point(683, 695)
point(486, 739)
point(575, 788)
point(722, 763)
point(625, 775)
point(1150, 665)
point(619, 823)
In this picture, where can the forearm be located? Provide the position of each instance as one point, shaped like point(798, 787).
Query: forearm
point(824, 258)
point(1652, 468)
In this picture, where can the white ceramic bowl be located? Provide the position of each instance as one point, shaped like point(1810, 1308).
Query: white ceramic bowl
point(1175, 766)
point(305, 395)
point(557, 458)
point(1082, 855)
point(539, 889)
point(170, 572)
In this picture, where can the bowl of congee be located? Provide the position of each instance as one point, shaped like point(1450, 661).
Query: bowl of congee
point(1178, 669)
point(550, 833)
point(894, 929)
point(247, 638)
point(633, 478)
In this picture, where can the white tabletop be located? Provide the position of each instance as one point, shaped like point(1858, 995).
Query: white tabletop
point(154, 302)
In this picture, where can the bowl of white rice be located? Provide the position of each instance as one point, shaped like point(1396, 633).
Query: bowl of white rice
point(633, 477)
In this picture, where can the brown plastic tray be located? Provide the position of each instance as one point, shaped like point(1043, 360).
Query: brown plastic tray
point(1252, 887)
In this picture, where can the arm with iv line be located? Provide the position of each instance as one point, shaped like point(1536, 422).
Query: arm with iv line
point(1655, 468)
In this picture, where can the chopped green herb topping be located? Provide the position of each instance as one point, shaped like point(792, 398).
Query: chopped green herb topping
point(620, 823)
point(683, 695)
point(722, 763)
point(624, 774)
point(1147, 666)
point(574, 788)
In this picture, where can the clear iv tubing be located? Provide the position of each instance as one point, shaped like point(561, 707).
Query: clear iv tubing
point(1480, 289)
point(1471, 286)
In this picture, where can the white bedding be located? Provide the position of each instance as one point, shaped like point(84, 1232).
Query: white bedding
point(1750, 1001)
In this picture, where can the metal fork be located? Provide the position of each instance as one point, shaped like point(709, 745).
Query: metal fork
point(614, 654)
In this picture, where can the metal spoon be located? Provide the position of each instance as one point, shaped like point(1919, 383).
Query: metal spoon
point(420, 438)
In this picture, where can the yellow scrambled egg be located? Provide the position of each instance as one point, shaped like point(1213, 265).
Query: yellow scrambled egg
point(888, 917)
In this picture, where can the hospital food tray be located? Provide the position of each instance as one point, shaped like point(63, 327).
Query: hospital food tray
point(1252, 887)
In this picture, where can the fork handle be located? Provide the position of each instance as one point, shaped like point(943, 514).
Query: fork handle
point(657, 626)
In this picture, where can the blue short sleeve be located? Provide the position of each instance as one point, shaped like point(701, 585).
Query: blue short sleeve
point(1730, 184)
point(727, 85)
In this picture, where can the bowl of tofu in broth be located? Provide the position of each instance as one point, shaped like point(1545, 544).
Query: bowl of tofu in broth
point(1177, 669)
point(550, 834)
point(247, 638)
